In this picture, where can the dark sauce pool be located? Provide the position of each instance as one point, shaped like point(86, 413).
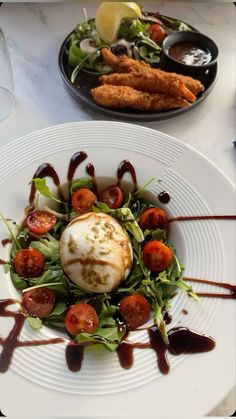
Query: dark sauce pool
point(189, 53)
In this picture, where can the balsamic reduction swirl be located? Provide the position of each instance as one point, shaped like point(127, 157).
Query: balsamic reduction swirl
point(232, 288)
point(44, 170)
point(11, 342)
point(127, 167)
point(75, 161)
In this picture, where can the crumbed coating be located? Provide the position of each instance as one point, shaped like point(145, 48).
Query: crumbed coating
point(142, 76)
point(111, 96)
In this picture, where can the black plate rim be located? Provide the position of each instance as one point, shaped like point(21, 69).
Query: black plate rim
point(141, 116)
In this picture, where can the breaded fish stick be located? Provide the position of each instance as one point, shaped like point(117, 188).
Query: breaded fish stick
point(141, 76)
point(126, 97)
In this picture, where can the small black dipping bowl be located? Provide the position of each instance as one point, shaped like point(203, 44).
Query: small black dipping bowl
point(196, 38)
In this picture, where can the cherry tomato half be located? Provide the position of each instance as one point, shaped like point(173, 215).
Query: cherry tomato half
point(153, 218)
point(83, 199)
point(39, 301)
point(81, 318)
point(157, 33)
point(112, 196)
point(28, 263)
point(156, 256)
point(135, 310)
point(40, 222)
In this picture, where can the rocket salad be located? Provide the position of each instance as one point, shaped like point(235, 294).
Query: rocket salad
point(52, 298)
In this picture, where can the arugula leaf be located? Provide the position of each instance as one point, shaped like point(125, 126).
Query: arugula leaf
point(187, 288)
point(101, 207)
point(157, 234)
point(52, 278)
point(34, 322)
point(42, 188)
point(81, 183)
point(6, 267)
point(12, 235)
point(58, 311)
point(125, 217)
point(75, 53)
point(133, 228)
point(106, 316)
point(18, 282)
point(110, 337)
point(175, 24)
point(49, 247)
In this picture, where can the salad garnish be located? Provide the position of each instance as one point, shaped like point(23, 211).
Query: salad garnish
point(138, 35)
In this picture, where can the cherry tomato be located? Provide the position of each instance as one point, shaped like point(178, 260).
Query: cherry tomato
point(40, 222)
point(157, 33)
point(39, 301)
point(135, 310)
point(83, 199)
point(81, 318)
point(153, 218)
point(28, 263)
point(156, 256)
point(112, 196)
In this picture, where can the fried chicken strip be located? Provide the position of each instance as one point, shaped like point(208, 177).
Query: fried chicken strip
point(192, 84)
point(141, 76)
point(121, 64)
point(126, 64)
point(111, 96)
point(150, 82)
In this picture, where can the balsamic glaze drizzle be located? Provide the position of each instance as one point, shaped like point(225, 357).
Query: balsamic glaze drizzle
point(6, 241)
point(75, 161)
point(181, 341)
point(164, 197)
point(44, 170)
point(202, 217)
point(90, 170)
point(230, 287)
point(127, 167)
point(11, 342)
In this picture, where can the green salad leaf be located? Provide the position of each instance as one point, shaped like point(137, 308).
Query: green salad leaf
point(34, 322)
point(132, 27)
point(81, 183)
point(42, 188)
point(109, 336)
point(132, 30)
point(49, 247)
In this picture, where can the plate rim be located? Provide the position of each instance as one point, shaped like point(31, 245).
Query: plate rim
point(24, 137)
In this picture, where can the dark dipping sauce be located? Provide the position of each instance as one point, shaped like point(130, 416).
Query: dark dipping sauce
point(189, 54)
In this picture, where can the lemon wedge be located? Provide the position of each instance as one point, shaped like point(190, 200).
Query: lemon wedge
point(109, 16)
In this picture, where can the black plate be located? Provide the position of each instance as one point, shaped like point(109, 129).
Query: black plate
point(85, 82)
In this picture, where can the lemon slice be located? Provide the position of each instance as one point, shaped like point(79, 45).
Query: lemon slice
point(109, 16)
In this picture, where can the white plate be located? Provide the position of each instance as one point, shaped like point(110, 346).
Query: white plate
point(38, 379)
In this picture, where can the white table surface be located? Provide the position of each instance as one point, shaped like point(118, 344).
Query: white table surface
point(34, 33)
